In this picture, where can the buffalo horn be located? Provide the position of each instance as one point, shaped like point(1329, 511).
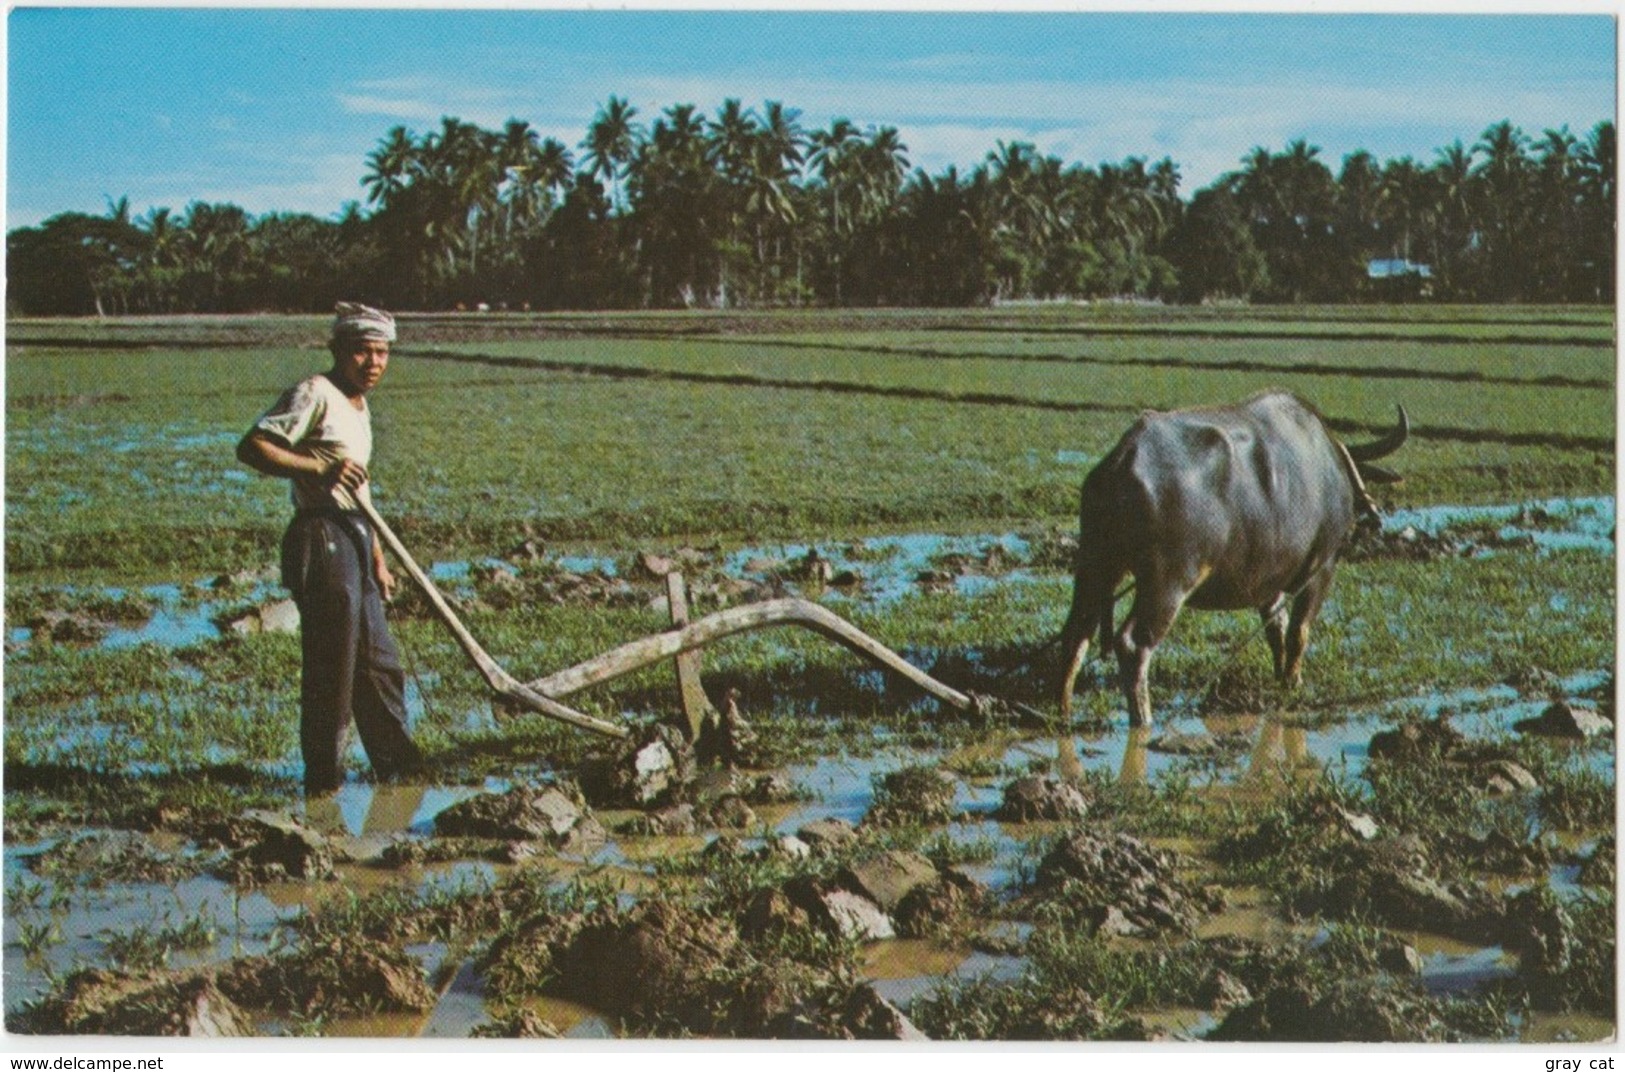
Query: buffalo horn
point(1385, 446)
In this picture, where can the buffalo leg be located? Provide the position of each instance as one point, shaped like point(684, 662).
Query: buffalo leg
point(1305, 608)
point(1091, 613)
point(1156, 605)
point(1274, 617)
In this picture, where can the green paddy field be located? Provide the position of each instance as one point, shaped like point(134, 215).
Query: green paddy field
point(534, 461)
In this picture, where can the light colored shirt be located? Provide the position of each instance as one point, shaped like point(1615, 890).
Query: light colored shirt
point(316, 419)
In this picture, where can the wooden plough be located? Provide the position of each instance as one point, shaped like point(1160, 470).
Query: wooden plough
point(678, 643)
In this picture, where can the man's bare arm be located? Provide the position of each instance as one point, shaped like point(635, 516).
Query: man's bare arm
point(262, 453)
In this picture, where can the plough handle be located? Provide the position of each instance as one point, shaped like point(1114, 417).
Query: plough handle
point(500, 681)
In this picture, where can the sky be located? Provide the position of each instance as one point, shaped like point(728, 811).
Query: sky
point(277, 109)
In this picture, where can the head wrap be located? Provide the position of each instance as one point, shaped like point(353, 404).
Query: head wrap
point(351, 320)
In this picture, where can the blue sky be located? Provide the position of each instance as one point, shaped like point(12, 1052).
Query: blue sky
point(277, 109)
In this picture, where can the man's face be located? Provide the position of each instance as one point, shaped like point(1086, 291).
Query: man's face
point(361, 362)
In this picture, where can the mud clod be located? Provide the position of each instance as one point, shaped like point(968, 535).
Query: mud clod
point(1416, 740)
point(1117, 882)
point(1346, 1010)
point(888, 878)
point(1572, 721)
point(555, 816)
point(828, 835)
point(654, 768)
point(659, 963)
point(930, 909)
point(1036, 797)
point(66, 627)
point(921, 795)
point(269, 845)
point(97, 1002)
point(333, 976)
point(105, 856)
point(1391, 880)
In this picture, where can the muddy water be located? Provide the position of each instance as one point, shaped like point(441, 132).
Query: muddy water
point(1260, 752)
point(364, 820)
point(83, 918)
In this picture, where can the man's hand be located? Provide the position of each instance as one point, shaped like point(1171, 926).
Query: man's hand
point(386, 579)
point(344, 473)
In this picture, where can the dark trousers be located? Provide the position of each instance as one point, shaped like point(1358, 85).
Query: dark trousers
point(352, 670)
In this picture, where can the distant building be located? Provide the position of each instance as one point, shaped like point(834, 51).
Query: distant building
point(1396, 268)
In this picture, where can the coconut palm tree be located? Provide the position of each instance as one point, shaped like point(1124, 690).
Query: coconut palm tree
point(1503, 179)
point(160, 263)
point(678, 214)
point(1597, 158)
point(1452, 198)
point(1557, 238)
point(611, 143)
point(390, 166)
point(832, 157)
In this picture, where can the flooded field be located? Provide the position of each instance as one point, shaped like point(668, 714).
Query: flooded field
point(1416, 845)
point(71, 902)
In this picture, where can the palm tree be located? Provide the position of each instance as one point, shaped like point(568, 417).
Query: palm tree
point(1165, 193)
point(881, 162)
point(611, 143)
point(1403, 202)
point(1452, 199)
point(390, 166)
point(832, 157)
point(1556, 239)
point(160, 264)
point(1597, 179)
point(1358, 201)
point(1503, 179)
point(216, 252)
point(677, 211)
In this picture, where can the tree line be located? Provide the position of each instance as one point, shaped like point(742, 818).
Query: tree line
point(747, 208)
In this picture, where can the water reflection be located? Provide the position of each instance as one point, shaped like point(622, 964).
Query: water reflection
point(1136, 768)
point(1279, 750)
point(1279, 754)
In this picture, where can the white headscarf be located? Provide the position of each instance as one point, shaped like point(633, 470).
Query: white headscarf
point(352, 320)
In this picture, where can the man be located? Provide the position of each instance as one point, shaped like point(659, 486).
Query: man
point(319, 437)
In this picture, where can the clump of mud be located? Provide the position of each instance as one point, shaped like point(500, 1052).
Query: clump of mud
point(1327, 860)
point(1355, 985)
point(1112, 883)
point(1037, 797)
point(268, 846)
point(1409, 544)
point(913, 796)
point(1371, 1009)
point(653, 768)
point(875, 897)
point(554, 815)
point(672, 968)
point(1240, 689)
point(329, 977)
point(100, 1002)
point(1413, 741)
point(1573, 721)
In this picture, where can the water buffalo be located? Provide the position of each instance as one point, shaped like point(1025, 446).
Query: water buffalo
point(1219, 508)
